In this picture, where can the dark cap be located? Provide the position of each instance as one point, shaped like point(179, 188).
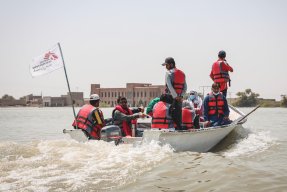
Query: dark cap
point(221, 54)
point(168, 60)
point(167, 98)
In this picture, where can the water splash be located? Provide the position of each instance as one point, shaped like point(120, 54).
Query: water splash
point(68, 165)
point(254, 142)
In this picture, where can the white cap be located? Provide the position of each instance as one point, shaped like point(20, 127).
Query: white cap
point(186, 104)
point(94, 97)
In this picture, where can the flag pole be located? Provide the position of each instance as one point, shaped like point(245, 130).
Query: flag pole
point(68, 85)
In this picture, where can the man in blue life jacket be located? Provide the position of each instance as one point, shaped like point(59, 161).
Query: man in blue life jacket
point(216, 110)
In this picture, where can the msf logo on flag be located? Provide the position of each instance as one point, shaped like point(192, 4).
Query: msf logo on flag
point(50, 56)
point(50, 61)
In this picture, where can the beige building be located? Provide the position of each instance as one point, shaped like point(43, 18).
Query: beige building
point(64, 100)
point(136, 93)
point(78, 98)
point(54, 101)
point(34, 100)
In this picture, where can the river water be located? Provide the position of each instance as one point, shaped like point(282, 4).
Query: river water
point(36, 156)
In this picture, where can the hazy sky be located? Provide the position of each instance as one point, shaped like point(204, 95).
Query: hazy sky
point(115, 42)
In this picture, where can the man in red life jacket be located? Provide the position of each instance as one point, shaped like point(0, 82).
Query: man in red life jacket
point(90, 118)
point(133, 109)
point(219, 72)
point(216, 110)
point(124, 117)
point(175, 86)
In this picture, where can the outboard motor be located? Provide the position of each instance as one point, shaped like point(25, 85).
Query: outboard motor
point(111, 133)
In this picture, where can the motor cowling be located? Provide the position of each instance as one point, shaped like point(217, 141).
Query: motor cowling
point(111, 133)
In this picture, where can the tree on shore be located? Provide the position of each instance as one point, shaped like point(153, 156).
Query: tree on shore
point(283, 101)
point(7, 97)
point(247, 98)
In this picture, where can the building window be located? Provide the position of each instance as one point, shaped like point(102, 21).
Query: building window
point(112, 94)
point(144, 94)
point(115, 94)
point(105, 94)
point(134, 94)
point(138, 94)
point(109, 95)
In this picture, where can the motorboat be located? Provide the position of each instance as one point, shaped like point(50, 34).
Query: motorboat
point(199, 140)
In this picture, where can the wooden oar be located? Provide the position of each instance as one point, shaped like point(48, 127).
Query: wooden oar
point(242, 118)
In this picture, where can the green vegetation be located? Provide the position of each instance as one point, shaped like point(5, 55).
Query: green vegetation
point(7, 97)
point(247, 99)
point(283, 102)
point(250, 99)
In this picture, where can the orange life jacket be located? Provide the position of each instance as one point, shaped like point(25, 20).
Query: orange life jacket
point(86, 121)
point(215, 104)
point(161, 118)
point(219, 75)
point(187, 117)
point(178, 81)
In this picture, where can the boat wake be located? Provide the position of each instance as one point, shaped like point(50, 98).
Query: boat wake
point(246, 142)
point(72, 166)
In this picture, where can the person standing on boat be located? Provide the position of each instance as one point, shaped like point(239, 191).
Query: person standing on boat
point(124, 117)
point(219, 72)
point(175, 86)
point(90, 118)
point(216, 110)
point(161, 118)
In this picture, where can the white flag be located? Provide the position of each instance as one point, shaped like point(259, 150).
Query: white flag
point(47, 62)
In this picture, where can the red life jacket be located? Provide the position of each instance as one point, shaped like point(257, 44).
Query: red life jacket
point(219, 76)
point(215, 104)
point(161, 118)
point(187, 118)
point(86, 121)
point(127, 130)
point(178, 81)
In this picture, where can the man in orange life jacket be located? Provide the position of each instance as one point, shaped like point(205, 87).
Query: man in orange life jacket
point(216, 109)
point(219, 72)
point(161, 117)
point(90, 118)
point(124, 117)
point(176, 86)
